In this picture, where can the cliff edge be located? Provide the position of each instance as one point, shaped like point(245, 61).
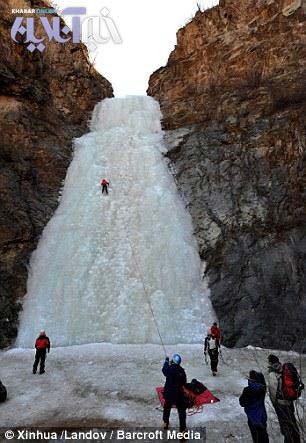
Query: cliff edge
point(233, 98)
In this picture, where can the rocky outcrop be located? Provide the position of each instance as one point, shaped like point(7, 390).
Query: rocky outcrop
point(233, 97)
point(46, 100)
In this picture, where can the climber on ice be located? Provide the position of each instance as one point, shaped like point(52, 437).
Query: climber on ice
point(211, 345)
point(104, 184)
point(42, 345)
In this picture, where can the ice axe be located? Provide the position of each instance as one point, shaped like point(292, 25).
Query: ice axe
point(205, 356)
point(221, 356)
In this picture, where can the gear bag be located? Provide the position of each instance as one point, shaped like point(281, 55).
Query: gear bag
point(196, 387)
point(291, 383)
point(3, 393)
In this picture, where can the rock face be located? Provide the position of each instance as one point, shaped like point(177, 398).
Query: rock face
point(233, 97)
point(45, 100)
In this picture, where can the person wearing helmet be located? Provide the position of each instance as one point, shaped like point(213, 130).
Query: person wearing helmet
point(42, 345)
point(173, 391)
point(104, 184)
point(211, 345)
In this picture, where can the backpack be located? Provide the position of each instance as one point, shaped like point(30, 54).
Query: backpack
point(196, 387)
point(291, 383)
point(3, 393)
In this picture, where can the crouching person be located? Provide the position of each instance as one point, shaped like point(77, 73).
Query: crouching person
point(173, 390)
point(253, 402)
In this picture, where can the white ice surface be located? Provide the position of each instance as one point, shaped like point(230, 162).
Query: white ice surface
point(103, 260)
point(106, 384)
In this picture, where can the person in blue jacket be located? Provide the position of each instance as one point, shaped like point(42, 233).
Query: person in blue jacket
point(173, 390)
point(252, 400)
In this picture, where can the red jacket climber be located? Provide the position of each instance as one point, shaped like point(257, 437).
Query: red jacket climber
point(42, 345)
point(104, 184)
point(42, 342)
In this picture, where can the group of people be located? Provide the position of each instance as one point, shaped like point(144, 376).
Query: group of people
point(284, 386)
point(253, 400)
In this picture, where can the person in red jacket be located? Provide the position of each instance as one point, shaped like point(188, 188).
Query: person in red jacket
point(42, 345)
point(104, 184)
point(216, 332)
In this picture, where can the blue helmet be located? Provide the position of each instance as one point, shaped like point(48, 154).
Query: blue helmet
point(176, 359)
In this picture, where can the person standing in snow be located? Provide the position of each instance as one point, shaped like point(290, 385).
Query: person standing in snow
point(211, 345)
point(104, 184)
point(284, 408)
point(173, 390)
point(252, 400)
point(42, 345)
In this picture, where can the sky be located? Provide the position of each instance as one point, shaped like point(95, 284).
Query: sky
point(137, 37)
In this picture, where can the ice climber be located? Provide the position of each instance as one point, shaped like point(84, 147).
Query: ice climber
point(211, 346)
point(104, 184)
point(284, 408)
point(42, 345)
point(252, 400)
point(173, 390)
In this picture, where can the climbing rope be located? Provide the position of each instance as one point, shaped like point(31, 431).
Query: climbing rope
point(148, 298)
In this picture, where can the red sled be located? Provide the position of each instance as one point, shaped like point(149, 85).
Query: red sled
point(196, 400)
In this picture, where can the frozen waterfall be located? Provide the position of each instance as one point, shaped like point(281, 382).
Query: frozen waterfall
point(102, 259)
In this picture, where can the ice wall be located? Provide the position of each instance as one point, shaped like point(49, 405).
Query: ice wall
point(102, 259)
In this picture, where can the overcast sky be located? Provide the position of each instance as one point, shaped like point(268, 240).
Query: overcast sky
point(148, 32)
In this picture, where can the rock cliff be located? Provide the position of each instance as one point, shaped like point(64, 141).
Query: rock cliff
point(233, 97)
point(45, 101)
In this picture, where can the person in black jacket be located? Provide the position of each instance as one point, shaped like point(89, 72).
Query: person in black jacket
point(173, 390)
point(253, 402)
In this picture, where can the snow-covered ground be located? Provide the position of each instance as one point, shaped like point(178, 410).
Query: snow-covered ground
point(114, 385)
